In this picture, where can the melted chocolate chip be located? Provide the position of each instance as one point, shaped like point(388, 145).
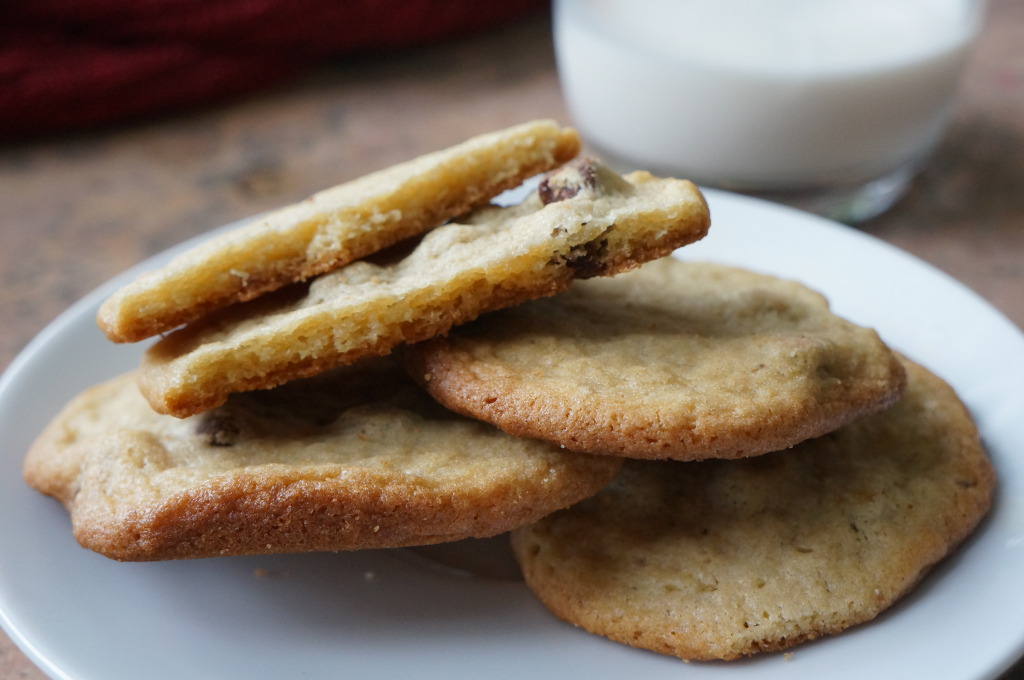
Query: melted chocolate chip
point(588, 260)
point(218, 428)
point(569, 180)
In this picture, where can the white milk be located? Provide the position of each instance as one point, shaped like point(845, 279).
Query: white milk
point(763, 94)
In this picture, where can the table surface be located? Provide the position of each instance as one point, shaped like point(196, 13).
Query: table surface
point(77, 210)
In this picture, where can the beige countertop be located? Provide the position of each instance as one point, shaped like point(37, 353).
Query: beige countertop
point(77, 210)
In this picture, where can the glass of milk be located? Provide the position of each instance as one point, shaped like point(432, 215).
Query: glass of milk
point(829, 105)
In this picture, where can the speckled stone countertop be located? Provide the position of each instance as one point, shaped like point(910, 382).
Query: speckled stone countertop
point(77, 210)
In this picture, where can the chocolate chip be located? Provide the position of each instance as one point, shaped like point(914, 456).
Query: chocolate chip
point(218, 428)
point(569, 180)
point(588, 260)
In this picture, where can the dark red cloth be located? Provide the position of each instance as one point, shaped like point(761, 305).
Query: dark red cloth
point(72, 64)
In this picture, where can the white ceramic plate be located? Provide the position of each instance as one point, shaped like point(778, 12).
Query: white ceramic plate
point(385, 615)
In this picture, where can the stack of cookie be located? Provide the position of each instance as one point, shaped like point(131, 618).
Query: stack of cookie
point(690, 458)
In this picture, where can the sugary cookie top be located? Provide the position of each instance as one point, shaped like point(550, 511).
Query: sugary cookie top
point(354, 458)
point(720, 559)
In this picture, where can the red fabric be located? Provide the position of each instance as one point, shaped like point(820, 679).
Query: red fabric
point(71, 64)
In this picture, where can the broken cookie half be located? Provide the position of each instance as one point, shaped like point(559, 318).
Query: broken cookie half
point(584, 220)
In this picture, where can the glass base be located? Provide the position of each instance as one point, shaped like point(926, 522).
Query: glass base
point(848, 204)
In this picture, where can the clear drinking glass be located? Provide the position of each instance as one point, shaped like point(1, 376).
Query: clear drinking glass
point(829, 105)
